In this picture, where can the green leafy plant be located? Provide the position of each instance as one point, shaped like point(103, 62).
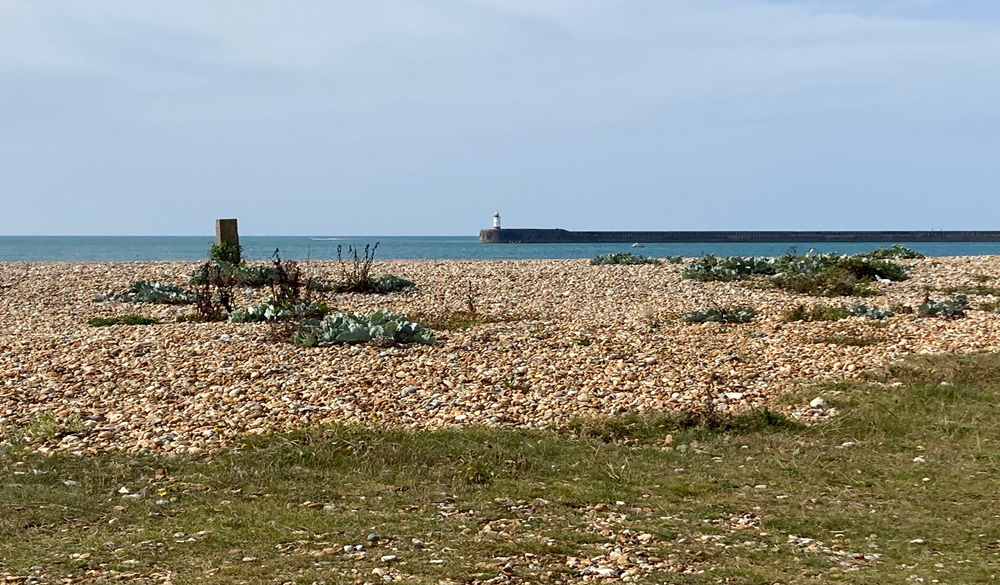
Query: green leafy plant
point(357, 328)
point(721, 315)
point(392, 283)
point(626, 258)
point(271, 310)
point(124, 320)
point(827, 275)
point(226, 253)
point(255, 276)
point(877, 313)
point(953, 308)
point(895, 251)
point(142, 291)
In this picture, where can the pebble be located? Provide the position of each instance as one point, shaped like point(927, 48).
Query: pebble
point(191, 388)
point(819, 404)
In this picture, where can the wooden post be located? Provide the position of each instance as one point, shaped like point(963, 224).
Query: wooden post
point(226, 233)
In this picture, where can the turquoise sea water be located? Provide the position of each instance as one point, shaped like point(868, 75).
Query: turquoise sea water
point(125, 248)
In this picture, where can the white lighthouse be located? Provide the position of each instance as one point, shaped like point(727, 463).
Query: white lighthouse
point(496, 220)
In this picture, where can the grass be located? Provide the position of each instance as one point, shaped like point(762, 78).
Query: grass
point(748, 499)
point(123, 320)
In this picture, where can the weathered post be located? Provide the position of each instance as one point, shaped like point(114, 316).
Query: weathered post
point(226, 233)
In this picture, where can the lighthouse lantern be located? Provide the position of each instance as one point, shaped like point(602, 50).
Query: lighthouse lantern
point(496, 220)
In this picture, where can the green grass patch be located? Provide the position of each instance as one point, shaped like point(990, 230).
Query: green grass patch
point(123, 320)
point(903, 484)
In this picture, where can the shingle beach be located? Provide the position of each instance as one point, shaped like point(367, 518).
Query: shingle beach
point(564, 340)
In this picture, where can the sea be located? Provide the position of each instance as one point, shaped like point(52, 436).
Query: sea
point(157, 248)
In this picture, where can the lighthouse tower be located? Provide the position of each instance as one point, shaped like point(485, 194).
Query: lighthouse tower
point(496, 220)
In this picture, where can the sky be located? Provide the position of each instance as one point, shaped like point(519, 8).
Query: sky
point(405, 117)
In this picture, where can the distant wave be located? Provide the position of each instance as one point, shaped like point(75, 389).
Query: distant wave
point(326, 239)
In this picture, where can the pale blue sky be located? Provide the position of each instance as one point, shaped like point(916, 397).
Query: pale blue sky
point(397, 117)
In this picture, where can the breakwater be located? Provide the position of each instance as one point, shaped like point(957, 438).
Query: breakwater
point(560, 236)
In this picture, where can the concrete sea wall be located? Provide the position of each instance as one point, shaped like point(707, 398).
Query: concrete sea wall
point(557, 236)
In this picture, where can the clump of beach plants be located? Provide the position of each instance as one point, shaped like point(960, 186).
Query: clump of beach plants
point(817, 313)
point(721, 315)
point(896, 251)
point(625, 258)
point(831, 313)
point(226, 253)
point(142, 291)
point(877, 313)
point(953, 308)
point(827, 275)
point(271, 310)
point(358, 328)
point(255, 276)
point(356, 273)
point(123, 320)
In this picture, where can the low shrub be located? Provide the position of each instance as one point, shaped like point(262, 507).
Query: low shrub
point(724, 315)
point(877, 313)
point(255, 276)
point(123, 320)
point(142, 291)
point(625, 258)
point(953, 308)
point(826, 275)
point(226, 253)
point(271, 310)
point(817, 313)
point(895, 251)
point(674, 259)
point(392, 283)
point(358, 328)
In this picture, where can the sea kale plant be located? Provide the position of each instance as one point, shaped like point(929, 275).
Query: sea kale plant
point(721, 315)
point(142, 291)
point(357, 328)
point(626, 258)
point(827, 275)
point(271, 310)
point(877, 313)
point(953, 308)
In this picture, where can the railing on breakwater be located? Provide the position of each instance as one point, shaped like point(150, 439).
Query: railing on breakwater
point(560, 236)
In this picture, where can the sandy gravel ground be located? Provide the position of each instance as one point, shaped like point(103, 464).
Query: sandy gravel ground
point(568, 340)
